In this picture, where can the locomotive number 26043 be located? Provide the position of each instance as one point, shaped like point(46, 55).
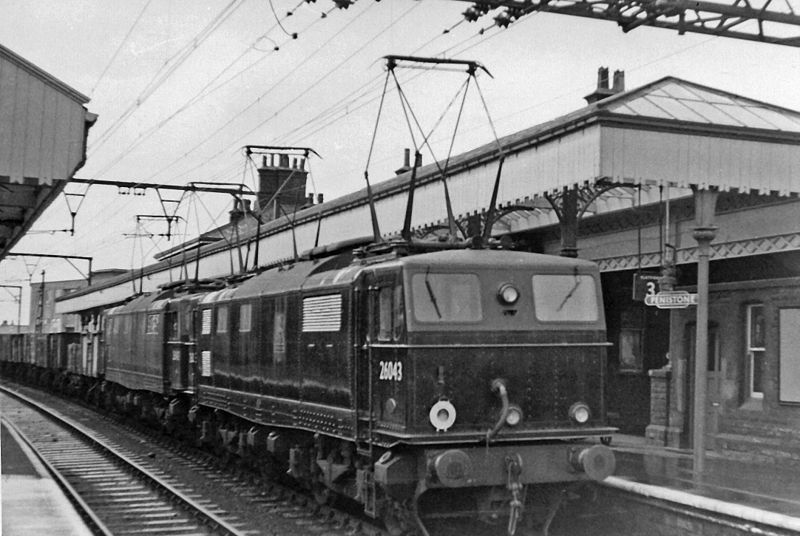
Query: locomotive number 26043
point(391, 370)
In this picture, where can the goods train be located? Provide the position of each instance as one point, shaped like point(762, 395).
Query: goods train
point(412, 381)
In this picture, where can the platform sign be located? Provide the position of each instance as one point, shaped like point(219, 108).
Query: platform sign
point(671, 299)
point(645, 284)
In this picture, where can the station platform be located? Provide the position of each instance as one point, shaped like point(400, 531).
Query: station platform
point(32, 502)
point(761, 493)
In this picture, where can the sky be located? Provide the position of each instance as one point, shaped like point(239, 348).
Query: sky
point(180, 86)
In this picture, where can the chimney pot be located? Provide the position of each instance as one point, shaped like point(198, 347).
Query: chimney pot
point(603, 90)
point(602, 78)
point(319, 198)
point(406, 162)
point(619, 81)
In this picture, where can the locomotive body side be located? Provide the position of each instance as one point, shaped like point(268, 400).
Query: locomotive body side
point(135, 345)
point(286, 360)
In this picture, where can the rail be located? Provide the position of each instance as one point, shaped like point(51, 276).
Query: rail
point(130, 467)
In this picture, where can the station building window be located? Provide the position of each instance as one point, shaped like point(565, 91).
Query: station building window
point(630, 350)
point(755, 350)
point(789, 350)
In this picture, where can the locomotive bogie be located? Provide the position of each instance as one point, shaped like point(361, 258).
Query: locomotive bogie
point(477, 466)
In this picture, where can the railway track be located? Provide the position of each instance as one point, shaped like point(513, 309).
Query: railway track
point(113, 493)
point(248, 502)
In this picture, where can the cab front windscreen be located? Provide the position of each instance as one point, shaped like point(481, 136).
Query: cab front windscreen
point(565, 298)
point(446, 297)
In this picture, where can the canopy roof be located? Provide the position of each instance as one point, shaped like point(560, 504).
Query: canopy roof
point(683, 101)
point(43, 128)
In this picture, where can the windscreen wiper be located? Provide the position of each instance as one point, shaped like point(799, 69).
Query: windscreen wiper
point(431, 293)
point(572, 290)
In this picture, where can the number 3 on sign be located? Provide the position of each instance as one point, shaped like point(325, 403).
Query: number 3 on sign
point(651, 288)
point(391, 370)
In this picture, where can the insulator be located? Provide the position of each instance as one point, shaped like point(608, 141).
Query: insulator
point(503, 19)
point(471, 14)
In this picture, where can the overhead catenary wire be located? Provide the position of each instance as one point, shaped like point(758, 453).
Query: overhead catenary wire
point(203, 163)
point(485, 38)
point(261, 97)
point(200, 95)
point(119, 48)
point(167, 69)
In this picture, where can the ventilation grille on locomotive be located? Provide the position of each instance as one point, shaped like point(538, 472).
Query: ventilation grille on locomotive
point(322, 313)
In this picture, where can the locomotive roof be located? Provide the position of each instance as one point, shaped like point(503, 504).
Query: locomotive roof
point(144, 302)
point(485, 258)
point(338, 270)
point(303, 274)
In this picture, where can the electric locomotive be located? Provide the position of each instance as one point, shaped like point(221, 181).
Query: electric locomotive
point(460, 377)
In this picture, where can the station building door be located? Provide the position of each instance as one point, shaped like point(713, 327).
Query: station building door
point(640, 338)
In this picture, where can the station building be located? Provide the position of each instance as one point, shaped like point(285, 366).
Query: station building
point(630, 181)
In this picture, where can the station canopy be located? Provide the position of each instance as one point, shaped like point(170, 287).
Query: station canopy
point(670, 134)
point(43, 128)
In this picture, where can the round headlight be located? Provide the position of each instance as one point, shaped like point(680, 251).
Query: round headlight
point(442, 415)
point(579, 412)
point(514, 416)
point(508, 294)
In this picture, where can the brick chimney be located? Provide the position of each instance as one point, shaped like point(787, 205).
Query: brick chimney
point(603, 90)
point(285, 177)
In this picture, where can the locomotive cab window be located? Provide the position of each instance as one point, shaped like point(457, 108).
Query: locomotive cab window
point(446, 297)
point(391, 313)
point(565, 298)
